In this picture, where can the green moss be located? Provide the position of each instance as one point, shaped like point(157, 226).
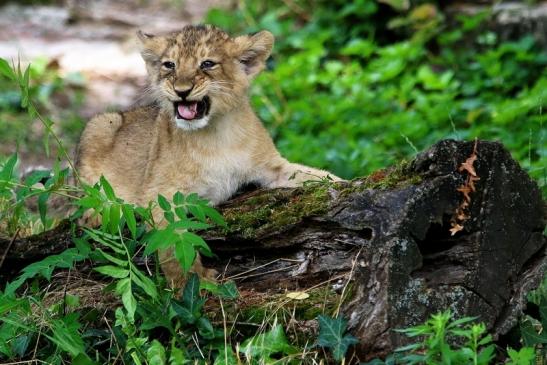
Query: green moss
point(272, 210)
point(398, 176)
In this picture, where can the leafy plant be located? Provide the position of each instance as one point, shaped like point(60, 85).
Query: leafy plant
point(445, 341)
point(187, 213)
point(525, 356)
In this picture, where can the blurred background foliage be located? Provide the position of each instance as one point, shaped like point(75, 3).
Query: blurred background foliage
point(354, 86)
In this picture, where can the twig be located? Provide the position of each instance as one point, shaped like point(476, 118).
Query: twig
point(350, 276)
point(9, 246)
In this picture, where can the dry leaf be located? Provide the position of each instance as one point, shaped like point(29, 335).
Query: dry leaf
point(465, 190)
point(298, 295)
point(455, 229)
point(471, 183)
point(468, 165)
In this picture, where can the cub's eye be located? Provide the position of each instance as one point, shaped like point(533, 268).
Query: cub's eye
point(207, 64)
point(169, 65)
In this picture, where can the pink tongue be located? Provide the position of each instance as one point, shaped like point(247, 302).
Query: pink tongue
point(188, 111)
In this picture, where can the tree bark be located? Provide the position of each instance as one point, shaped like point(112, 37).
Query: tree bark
point(388, 236)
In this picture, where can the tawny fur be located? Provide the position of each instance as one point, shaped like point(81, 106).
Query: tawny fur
point(147, 151)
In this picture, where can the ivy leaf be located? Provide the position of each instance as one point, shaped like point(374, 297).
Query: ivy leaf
point(331, 335)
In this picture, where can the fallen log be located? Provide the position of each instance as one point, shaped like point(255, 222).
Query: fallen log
point(401, 244)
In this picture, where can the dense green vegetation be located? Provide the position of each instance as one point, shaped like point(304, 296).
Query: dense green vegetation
point(352, 87)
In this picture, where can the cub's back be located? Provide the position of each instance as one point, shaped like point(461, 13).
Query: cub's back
point(116, 145)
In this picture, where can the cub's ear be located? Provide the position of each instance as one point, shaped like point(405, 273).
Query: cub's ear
point(151, 46)
point(254, 50)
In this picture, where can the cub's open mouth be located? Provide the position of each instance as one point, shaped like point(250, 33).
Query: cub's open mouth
point(190, 110)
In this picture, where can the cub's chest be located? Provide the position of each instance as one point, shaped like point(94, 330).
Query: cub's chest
point(215, 175)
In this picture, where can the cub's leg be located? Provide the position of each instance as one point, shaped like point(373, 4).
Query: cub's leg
point(283, 173)
point(176, 278)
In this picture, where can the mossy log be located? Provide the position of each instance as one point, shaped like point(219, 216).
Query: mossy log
point(401, 244)
point(390, 234)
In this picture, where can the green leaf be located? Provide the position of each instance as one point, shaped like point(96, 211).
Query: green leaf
point(65, 334)
point(113, 271)
point(115, 216)
point(190, 293)
point(181, 213)
point(169, 216)
point(226, 290)
point(197, 242)
point(164, 203)
point(185, 315)
point(525, 356)
point(177, 356)
point(24, 85)
point(214, 215)
point(185, 254)
point(156, 353)
point(42, 207)
point(107, 188)
point(130, 220)
point(264, 345)
point(205, 328)
point(530, 336)
point(115, 260)
point(226, 356)
point(189, 225)
point(197, 212)
point(6, 70)
point(178, 198)
point(83, 359)
point(129, 302)
point(7, 172)
point(331, 335)
point(145, 283)
point(64, 260)
point(159, 239)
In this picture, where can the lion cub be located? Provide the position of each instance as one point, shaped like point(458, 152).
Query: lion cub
point(198, 135)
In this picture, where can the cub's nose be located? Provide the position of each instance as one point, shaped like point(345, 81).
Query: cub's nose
point(184, 93)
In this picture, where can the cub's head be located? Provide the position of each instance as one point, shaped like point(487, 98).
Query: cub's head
point(200, 72)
